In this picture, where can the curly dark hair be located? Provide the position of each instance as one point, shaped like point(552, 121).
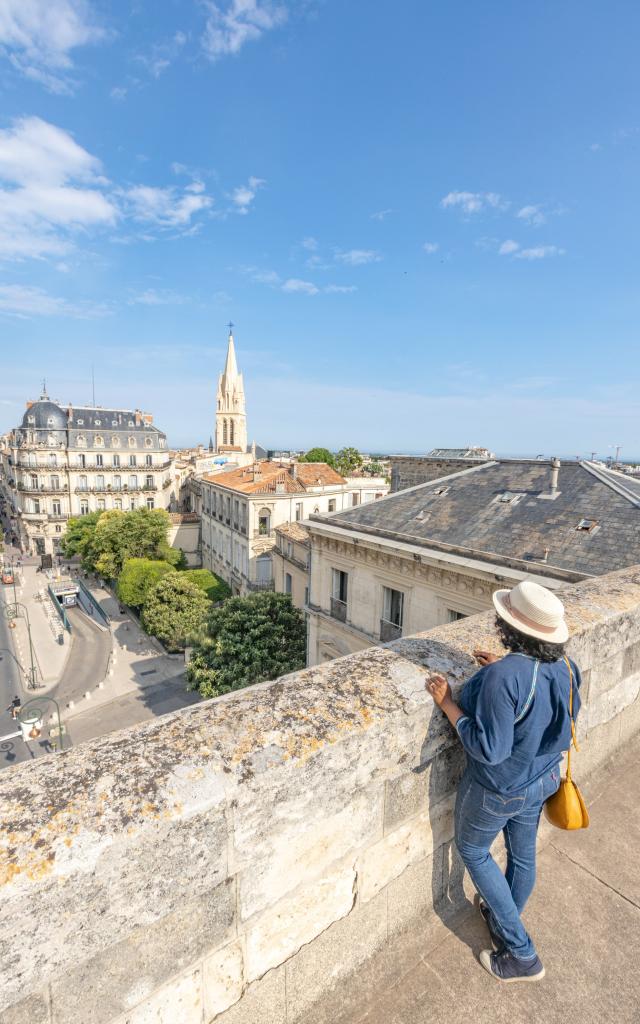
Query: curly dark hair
point(520, 643)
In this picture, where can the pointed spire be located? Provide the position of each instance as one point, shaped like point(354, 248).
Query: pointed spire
point(230, 372)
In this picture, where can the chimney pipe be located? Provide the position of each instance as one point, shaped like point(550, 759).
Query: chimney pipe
point(555, 470)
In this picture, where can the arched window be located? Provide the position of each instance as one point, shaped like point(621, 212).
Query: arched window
point(148, 441)
point(99, 441)
point(232, 432)
point(264, 522)
point(132, 442)
point(224, 432)
point(115, 441)
point(81, 441)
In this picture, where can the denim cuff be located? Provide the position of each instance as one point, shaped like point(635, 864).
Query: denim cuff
point(463, 718)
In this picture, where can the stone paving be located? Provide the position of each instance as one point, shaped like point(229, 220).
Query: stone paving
point(585, 919)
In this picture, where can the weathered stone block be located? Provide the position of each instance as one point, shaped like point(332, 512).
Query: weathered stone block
point(630, 721)
point(314, 972)
point(126, 973)
point(607, 705)
point(407, 844)
point(222, 979)
point(606, 674)
point(599, 745)
point(414, 792)
point(180, 1000)
point(631, 660)
point(263, 1002)
point(35, 1009)
point(298, 836)
point(297, 920)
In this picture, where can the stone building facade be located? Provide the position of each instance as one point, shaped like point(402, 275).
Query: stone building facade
point(241, 509)
point(291, 556)
point(411, 470)
point(72, 460)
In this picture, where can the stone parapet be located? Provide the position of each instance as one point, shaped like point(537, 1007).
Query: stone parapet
point(234, 860)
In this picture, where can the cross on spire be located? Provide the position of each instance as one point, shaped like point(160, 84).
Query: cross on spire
point(230, 325)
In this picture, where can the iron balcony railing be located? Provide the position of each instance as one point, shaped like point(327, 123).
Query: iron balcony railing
point(389, 631)
point(260, 584)
point(339, 609)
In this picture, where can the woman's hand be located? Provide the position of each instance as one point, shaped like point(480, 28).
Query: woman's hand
point(485, 657)
point(439, 689)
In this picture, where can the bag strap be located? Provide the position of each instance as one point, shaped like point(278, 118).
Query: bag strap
point(527, 702)
point(574, 739)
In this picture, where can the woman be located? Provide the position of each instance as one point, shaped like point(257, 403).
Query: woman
point(513, 721)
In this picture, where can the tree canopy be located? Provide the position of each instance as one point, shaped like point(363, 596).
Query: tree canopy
point(215, 588)
point(319, 455)
point(348, 460)
point(246, 640)
point(138, 576)
point(105, 540)
point(175, 610)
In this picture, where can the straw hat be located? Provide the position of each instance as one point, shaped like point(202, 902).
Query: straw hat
point(533, 610)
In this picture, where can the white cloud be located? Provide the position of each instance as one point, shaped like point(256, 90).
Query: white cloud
point(233, 23)
point(539, 252)
point(474, 202)
point(340, 289)
point(165, 207)
point(380, 214)
point(162, 55)
point(293, 284)
point(430, 247)
point(118, 92)
point(532, 215)
point(508, 247)
point(265, 276)
point(153, 297)
point(24, 302)
point(243, 196)
point(39, 35)
point(44, 196)
point(310, 244)
point(358, 257)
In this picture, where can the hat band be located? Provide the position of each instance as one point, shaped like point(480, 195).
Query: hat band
point(527, 621)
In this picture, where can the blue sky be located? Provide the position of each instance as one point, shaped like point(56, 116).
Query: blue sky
point(422, 217)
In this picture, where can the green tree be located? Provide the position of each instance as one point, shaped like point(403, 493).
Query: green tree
point(374, 469)
point(137, 577)
point(141, 533)
point(348, 460)
point(247, 640)
point(174, 556)
point(175, 610)
point(215, 588)
point(319, 455)
point(78, 540)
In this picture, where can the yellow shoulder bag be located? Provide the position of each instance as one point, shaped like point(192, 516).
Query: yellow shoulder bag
point(566, 809)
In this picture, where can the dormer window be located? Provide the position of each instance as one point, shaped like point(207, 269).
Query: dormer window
point(50, 421)
point(98, 423)
point(132, 442)
point(509, 498)
point(99, 441)
point(114, 423)
point(131, 424)
point(81, 441)
point(31, 420)
point(441, 491)
point(80, 423)
point(587, 525)
point(148, 441)
point(115, 442)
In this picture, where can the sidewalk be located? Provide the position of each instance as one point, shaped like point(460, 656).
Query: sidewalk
point(584, 916)
point(49, 656)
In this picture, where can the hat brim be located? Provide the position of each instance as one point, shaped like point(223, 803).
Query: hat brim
point(555, 635)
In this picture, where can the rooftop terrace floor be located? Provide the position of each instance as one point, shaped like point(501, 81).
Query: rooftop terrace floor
point(584, 917)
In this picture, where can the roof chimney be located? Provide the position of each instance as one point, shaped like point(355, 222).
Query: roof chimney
point(555, 470)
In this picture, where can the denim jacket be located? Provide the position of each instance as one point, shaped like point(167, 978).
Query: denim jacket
point(512, 729)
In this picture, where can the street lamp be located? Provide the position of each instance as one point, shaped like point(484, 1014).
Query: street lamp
point(31, 717)
point(11, 612)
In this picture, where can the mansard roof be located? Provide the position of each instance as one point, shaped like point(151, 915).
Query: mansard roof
point(503, 510)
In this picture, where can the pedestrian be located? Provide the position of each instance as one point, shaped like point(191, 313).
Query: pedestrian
point(512, 718)
point(14, 707)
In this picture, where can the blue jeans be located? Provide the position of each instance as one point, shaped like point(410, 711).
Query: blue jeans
point(480, 815)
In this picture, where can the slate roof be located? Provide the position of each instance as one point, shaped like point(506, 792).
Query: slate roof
point(294, 531)
point(469, 516)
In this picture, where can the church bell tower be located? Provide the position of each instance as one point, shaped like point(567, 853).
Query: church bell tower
point(231, 417)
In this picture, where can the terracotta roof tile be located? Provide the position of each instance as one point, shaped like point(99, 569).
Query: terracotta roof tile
point(274, 478)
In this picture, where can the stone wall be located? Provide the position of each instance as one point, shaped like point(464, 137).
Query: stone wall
point(410, 470)
point(234, 860)
point(184, 533)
